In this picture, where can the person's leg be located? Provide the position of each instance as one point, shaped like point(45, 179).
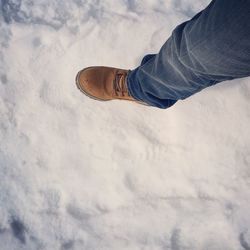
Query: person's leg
point(213, 46)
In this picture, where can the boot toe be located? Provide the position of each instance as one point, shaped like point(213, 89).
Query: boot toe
point(89, 82)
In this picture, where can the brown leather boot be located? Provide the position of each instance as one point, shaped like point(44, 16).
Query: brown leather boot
point(104, 83)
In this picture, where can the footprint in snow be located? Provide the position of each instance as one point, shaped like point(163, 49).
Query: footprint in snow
point(243, 241)
point(18, 230)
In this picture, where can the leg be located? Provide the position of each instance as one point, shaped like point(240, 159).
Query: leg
point(212, 47)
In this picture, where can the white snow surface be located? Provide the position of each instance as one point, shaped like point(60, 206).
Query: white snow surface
point(77, 174)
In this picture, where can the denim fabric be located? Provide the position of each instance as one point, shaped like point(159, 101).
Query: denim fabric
point(212, 47)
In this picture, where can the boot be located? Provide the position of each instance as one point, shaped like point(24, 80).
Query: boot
point(104, 84)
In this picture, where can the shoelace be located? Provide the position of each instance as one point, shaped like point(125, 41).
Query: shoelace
point(119, 84)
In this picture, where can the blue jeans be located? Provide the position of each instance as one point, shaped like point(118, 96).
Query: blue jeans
point(212, 47)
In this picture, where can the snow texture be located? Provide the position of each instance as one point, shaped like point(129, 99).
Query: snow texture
point(80, 174)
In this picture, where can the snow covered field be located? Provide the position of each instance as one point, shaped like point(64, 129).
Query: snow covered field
point(76, 174)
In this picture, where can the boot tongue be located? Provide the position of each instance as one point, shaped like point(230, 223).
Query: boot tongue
point(120, 85)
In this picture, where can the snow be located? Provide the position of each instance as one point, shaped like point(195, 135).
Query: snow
point(80, 174)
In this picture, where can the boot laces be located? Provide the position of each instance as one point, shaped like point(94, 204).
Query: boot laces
point(120, 84)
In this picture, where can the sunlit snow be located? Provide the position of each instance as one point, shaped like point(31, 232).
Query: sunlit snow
point(77, 174)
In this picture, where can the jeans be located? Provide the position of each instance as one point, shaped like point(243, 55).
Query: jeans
point(212, 47)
